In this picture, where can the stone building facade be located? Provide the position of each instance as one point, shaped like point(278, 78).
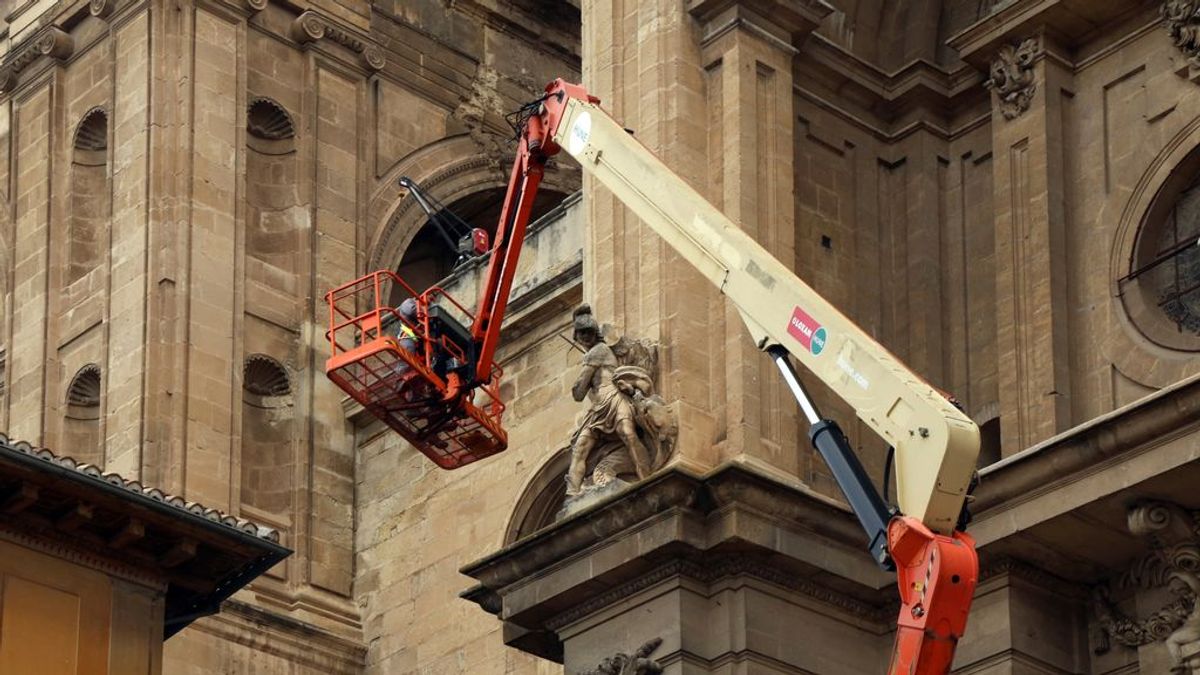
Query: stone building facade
point(1003, 192)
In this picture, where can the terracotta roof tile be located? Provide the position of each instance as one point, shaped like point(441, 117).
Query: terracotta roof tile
point(96, 473)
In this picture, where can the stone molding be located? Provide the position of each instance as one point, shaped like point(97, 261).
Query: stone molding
point(66, 548)
point(709, 570)
point(1012, 77)
point(298, 642)
point(1106, 439)
point(779, 23)
point(734, 526)
point(1019, 569)
point(53, 42)
point(311, 27)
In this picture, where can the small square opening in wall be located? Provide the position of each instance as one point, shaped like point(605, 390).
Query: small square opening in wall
point(826, 242)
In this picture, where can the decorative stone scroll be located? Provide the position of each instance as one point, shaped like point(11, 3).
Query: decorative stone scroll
point(311, 27)
point(1011, 76)
point(52, 41)
point(1174, 563)
point(628, 431)
point(101, 9)
point(637, 663)
point(1182, 19)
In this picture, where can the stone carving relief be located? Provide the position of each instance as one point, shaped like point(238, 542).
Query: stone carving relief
point(310, 27)
point(627, 431)
point(1173, 563)
point(101, 8)
point(637, 663)
point(1182, 18)
point(1012, 77)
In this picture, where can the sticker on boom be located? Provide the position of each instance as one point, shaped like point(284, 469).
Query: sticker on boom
point(807, 331)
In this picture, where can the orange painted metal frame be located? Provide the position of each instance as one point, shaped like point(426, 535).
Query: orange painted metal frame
point(402, 388)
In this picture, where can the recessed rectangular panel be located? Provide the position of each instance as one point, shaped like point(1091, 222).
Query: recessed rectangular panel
point(40, 629)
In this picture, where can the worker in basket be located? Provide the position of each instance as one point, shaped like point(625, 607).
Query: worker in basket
point(409, 385)
point(410, 341)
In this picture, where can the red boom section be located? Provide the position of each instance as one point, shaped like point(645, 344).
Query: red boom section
point(534, 146)
point(936, 576)
point(407, 389)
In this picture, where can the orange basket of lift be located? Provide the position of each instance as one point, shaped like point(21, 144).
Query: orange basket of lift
point(406, 389)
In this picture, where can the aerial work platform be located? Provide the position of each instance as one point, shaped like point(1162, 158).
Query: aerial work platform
point(413, 391)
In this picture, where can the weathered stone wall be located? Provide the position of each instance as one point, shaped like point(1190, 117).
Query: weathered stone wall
point(417, 525)
point(247, 163)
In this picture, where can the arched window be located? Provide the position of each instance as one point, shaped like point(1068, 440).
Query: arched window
point(541, 500)
point(88, 220)
point(81, 425)
point(267, 431)
point(1162, 289)
point(429, 259)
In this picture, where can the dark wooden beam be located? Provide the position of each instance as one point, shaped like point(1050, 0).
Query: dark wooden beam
point(71, 520)
point(21, 499)
point(182, 552)
point(133, 531)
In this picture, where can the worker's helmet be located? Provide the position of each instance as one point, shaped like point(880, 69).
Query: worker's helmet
point(408, 309)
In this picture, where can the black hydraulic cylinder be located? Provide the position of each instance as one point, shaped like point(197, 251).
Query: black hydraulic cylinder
point(827, 437)
point(868, 506)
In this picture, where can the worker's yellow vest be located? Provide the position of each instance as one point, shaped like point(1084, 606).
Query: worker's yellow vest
point(406, 332)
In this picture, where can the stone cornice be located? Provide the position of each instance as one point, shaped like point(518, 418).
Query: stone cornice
point(1013, 568)
point(51, 41)
point(737, 522)
point(890, 105)
point(1109, 441)
point(786, 22)
point(1053, 20)
point(298, 642)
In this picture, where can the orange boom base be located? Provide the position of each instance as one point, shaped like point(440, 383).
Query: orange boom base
point(413, 391)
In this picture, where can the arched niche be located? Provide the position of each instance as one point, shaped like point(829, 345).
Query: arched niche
point(89, 195)
point(452, 169)
point(81, 423)
point(267, 436)
point(541, 498)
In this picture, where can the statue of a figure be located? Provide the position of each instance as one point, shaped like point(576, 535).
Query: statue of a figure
point(627, 428)
point(1184, 643)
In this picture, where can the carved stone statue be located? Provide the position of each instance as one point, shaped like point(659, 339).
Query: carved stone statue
point(627, 430)
point(1012, 77)
point(1184, 643)
point(637, 663)
point(1173, 562)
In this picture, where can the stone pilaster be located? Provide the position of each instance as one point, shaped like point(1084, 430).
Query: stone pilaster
point(747, 52)
point(1033, 325)
point(1024, 619)
point(1031, 83)
point(719, 112)
point(631, 277)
